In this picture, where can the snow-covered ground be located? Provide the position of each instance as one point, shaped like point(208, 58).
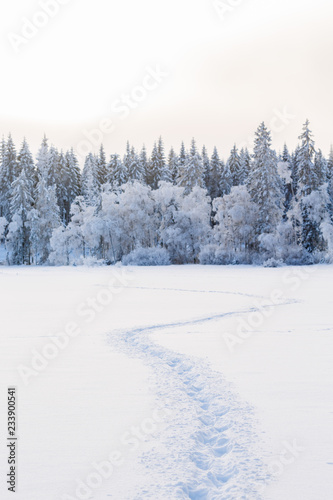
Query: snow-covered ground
point(170, 383)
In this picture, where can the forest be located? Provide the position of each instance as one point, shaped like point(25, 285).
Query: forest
point(266, 207)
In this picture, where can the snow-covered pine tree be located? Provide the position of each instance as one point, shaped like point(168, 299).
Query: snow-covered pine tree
point(294, 168)
point(2, 150)
point(264, 184)
point(154, 174)
point(11, 159)
point(117, 173)
point(8, 173)
point(330, 165)
point(234, 166)
point(226, 179)
point(74, 175)
point(135, 168)
point(285, 155)
point(101, 166)
point(144, 162)
point(315, 212)
point(42, 163)
point(285, 171)
point(320, 168)
point(90, 183)
point(206, 167)
point(293, 213)
point(157, 169)
point(26, 163)
point(191, 174)
point(68, 183)
point(52, 167)
point(214, 181)
point(173, 165)
point(127, 158)
point(311, 170)
point(245, 161)
point(181, 160)
point(18, 242)
point(165, 173)
point(45, 217)
point(306, 175)
point(3, 229)
point(330, 180)
point(62, 188)
point(4, 202)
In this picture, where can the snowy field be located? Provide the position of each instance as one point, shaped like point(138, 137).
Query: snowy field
point(186, 382)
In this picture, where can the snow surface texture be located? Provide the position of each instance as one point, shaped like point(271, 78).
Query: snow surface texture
point(206, 451)
point(231, 413)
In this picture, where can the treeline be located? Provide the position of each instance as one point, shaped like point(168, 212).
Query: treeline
point(186, 207)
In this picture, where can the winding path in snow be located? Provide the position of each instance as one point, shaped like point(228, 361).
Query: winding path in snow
point(208, 449)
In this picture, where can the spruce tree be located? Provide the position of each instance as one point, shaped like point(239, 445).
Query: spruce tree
point(234, 166)
point(306, 175)
point(135, 169)
point(164, 173)
point(21, 199)
point(264, 184)
point(226, 179)
point(101, 166)
point(311, 170)
point(294, 168)
point(68, 185)
point(26, 163)
point(330, 180)
point(285, 156)
point(2, 150)
point(10, 160)
point(62, 189)
point(127, 158)
point(43, 159)
point(173, 165)
point(285, 167)
point(181, 159)
point(90, 182)
point(21, 205)
point(245, 161)
point(320, 168)
point(117, 173)
point(74, 173)
point(143, 158)
point(52, 167)
point(330, 165)
point(45, 218)
point(8, 173)
point(154, 174)
point(3, 181)
point(191, 174)
point(214, 180)
point(315, 211)
point(206, 167)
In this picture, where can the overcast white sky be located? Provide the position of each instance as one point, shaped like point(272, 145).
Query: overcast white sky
point(226, 73)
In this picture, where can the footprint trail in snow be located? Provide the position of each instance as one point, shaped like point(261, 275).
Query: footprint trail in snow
point(207, 447)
